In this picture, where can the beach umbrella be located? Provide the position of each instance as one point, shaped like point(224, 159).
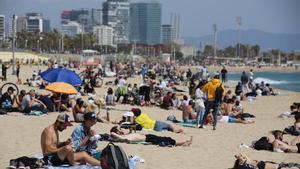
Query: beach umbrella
point(61, 87)
point(61, 75)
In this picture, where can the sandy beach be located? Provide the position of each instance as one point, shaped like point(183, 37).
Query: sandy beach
point(20, 134)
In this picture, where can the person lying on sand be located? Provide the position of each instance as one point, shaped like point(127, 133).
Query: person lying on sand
point(292, 147)
point(244, 162)
point(118, 134)
point(147, 123)
point(227, 119)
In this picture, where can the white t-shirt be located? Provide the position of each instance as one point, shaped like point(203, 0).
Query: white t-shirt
point(224, 119)
point(199, 94)
point(122, 82)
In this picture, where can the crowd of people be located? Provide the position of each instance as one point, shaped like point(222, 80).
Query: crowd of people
point(206, 103)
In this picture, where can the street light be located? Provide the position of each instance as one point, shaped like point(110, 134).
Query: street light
point(215, 39)
point(239, 22)
point(13, 44)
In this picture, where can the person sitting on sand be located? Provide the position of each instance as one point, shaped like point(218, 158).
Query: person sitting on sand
point(292, 147)
point(58, 153)
point(167, 101)
point(82, 134)
point(188, 115)
point(19, 99)
point(118, 134)
point(229, 108)
point(147, 123)
point(243, 162)
point(294, 129)
point(79, 110)
point(7, 100)
point(30, 102)
point(110, 98)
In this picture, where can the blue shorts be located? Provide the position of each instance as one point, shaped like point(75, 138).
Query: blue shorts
point(231, 119)
point(159, 126)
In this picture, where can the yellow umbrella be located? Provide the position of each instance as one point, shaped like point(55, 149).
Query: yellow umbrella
point(61, 87)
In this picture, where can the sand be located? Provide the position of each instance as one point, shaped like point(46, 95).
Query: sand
point(20, 135)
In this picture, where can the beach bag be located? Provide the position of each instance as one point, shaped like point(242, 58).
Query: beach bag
point(32, 163)
point(6, 104)
point(113, 157)
point(219, 93)
point(263, 144)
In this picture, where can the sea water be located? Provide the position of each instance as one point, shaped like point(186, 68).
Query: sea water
point(281, 80)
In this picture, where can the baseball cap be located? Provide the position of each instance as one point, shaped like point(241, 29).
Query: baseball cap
point(64, 118)
point(90, 116)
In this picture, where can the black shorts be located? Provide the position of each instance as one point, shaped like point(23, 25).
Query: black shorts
point(157, 140)
point(54, 160)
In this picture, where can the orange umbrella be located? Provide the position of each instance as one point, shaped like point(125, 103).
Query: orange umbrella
point(61, 87)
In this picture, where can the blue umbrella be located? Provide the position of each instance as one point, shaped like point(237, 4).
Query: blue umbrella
point(61, 75)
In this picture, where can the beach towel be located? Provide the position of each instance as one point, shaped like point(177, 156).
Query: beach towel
point(173, 119)
point(186, 124)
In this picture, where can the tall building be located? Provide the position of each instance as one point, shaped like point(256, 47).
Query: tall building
point(88, 18)
point(116, 15)
point(104, 35)
point(71, 28)
point(167, 34)
point(145, 22)
point(46, 25)
point(2, 27)
point(21, 23)
point(34, 22)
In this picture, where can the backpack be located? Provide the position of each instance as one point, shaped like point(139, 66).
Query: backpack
point(219, 93)
point(263, 144)
point(113, 157)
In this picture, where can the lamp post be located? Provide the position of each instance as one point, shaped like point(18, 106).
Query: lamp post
point(215, 39)
point(239, 22)
point(13, 44)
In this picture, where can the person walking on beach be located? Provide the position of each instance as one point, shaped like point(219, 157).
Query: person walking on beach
point(18, 74)
point(214, 90)
point(224, 74)
point(4, 71)
point(59, 153)
point(251, 75)
point(244, 80)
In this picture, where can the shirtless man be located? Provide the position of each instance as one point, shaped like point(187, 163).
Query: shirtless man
point(58, 153)
point(118, 134)
point(292, 147)
point(187, 113)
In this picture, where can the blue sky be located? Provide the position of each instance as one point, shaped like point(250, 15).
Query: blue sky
point(197, 16)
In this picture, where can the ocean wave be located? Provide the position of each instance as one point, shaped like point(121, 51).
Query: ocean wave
point(270, 81)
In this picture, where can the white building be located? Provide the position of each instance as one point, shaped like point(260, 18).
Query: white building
point(21, 23)
point(104, 35)
point(34, 22)
point(2, 27)
point(71, 28)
